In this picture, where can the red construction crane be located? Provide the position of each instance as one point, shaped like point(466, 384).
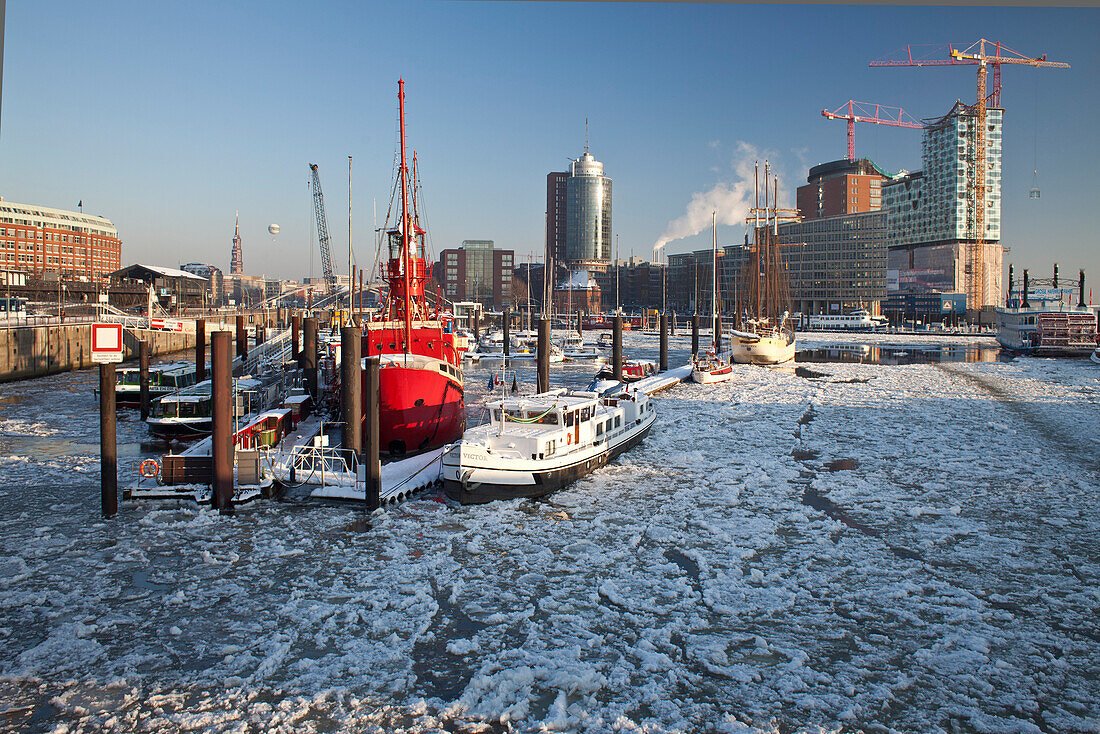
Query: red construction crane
point(982, 53)
point(959, 54)
point(879, 114)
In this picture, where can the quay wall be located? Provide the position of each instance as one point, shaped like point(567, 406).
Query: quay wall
point(36, 351)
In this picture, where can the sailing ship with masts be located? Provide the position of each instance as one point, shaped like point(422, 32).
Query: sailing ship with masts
point(765, 331)
point(420, 376)
point(710, 367)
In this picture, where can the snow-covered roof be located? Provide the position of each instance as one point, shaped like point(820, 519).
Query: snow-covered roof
point(166, 272)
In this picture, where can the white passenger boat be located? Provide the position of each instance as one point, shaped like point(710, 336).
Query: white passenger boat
point(860, 320)
point(536, 444)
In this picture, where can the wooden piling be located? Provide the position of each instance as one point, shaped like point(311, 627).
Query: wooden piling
point(221, 375)
point(580, 326)
point(351, 387)
point(372, 439)
point(717, 325)
point(200, 350)
point(544, 355)
point(617, 348)
point(295, 327)
point(242, 338)
point(694, 335)
point(672, 325)
point(108, 449)
point(506, 327)
point(309, 357)
point(143, 376)
point(663, 361)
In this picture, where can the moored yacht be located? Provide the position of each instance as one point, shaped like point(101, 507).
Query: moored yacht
point(573, 347)
point(766, 334)
point(536, 444)
point(710, 368)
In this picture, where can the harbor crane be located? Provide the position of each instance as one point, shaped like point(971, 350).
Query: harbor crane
point(878, 114)
point(983, 53)
point(322, 232)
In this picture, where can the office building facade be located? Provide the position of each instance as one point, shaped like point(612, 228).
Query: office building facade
point(932, 213)
point(38, 240)
point(836, 264)
point(841, 187)
point(215, 289)
point(476, 272)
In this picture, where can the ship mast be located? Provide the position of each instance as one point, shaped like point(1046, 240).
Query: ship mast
point(714, 282)
point(406, 262)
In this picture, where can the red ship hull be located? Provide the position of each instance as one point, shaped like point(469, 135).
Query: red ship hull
point(422, 402)
point(421, 409)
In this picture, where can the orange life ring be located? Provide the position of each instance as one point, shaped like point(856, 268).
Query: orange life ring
point(147, 464)
point(568, 439)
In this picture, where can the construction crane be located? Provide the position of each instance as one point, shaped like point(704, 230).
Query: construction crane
point(322, 232)
point(983, 53)
point(878, 114)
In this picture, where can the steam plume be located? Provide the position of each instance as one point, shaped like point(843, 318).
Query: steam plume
point(732, 200)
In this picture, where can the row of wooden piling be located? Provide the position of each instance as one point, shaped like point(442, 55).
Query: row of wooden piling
point(364, 443)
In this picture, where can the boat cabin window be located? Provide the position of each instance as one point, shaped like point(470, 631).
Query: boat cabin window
point(395, 244)
point(551, 447)
point(607, 425)
point(569, 417)
point(599, 429)
point(586, 413)
point(618, 421)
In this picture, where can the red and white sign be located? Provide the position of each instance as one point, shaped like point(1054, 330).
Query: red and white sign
point(166, 324)
point(106, 343)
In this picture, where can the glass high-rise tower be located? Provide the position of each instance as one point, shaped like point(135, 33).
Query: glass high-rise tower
point(587, 215)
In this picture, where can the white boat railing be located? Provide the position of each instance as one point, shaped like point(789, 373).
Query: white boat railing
point(311, 464)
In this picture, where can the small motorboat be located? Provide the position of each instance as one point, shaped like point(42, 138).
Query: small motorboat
point(633, 370)
point(711, 368)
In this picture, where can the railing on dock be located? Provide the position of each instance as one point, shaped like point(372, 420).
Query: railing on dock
point(315, 464)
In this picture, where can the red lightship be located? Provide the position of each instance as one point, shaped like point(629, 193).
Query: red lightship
point(420, 377)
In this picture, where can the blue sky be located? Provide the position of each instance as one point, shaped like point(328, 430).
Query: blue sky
point(169, 117)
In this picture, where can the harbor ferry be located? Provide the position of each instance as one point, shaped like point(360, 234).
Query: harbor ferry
point(420, 377)
point(164, 379)
point(860, 320)
point(1039, 322)
point(537, 444)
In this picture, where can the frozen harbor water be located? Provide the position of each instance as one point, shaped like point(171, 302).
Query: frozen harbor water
point(833, 545)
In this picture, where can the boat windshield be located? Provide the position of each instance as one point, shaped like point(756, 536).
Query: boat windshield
point(530, 417)
point(128, 377)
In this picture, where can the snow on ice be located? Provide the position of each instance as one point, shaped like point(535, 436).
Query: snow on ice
point(862, 547)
